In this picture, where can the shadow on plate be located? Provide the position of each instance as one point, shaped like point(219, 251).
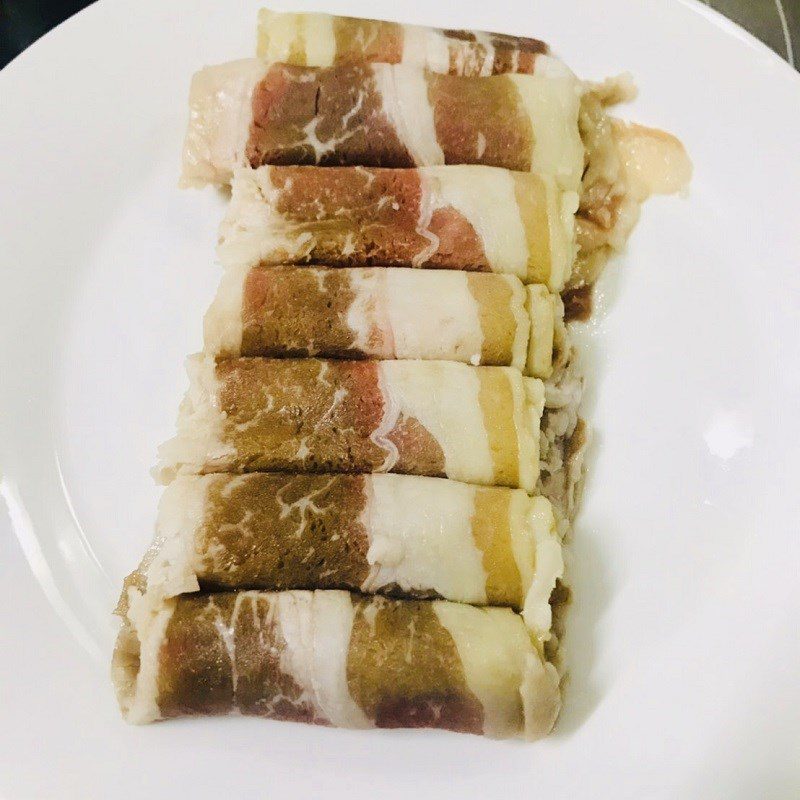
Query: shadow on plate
point(591, 591)
point(587, 567)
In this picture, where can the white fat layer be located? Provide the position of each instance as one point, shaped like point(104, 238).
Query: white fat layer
point(181, 512)
point(421, 314)
point(404, 95)
point(220, 112)
point(367, 310)
point(541, 312)
point(222, 324)
point(253, 232)
point(551, 97)
point(149, 623)
point(548, 566)
point(277, 34)
point(294, 614)
point(523, 538)
point(320, 40)
point(528, 396)
point(425, 47)
point(199, 441)
point(535, 398)
point(492, 644)
point(432, 314)
point(444, 397)
point(561, 210)
point(486, 197)
point(541, 696)
point(522, 323)
point(391, 414)
point(420, 532)
point(429, 314)
point(332, 624)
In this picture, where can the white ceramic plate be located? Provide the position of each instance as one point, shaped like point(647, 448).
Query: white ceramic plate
point(683, 640)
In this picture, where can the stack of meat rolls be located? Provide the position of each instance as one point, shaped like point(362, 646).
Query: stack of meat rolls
point(379, 452)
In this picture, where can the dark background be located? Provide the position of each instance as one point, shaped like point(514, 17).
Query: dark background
point(775, 22)
point(22, 22)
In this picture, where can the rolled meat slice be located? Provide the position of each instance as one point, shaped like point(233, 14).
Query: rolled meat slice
point(375, 313)
point(333, 658)
point(399, 535)
point(458, 217)
point(323, 40)
point(381, 115)
point(436, 418)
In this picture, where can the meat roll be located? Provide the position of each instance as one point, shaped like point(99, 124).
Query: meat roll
point(381, 115)
point(386, 314)
point(400, 535)
point(333, 658)
point(459, 217)
point(437, 418)
point(323, 40)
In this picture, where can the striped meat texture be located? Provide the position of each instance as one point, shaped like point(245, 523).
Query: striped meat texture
point(332, 658)
point(382, 115)
point(435, 418)
point(459, 217)
point(398, 535)
point(478, 319)
point(325, 40)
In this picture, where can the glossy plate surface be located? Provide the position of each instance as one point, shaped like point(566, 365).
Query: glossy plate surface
point(683, 639)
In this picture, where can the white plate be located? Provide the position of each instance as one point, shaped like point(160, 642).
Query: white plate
point(683, 639)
